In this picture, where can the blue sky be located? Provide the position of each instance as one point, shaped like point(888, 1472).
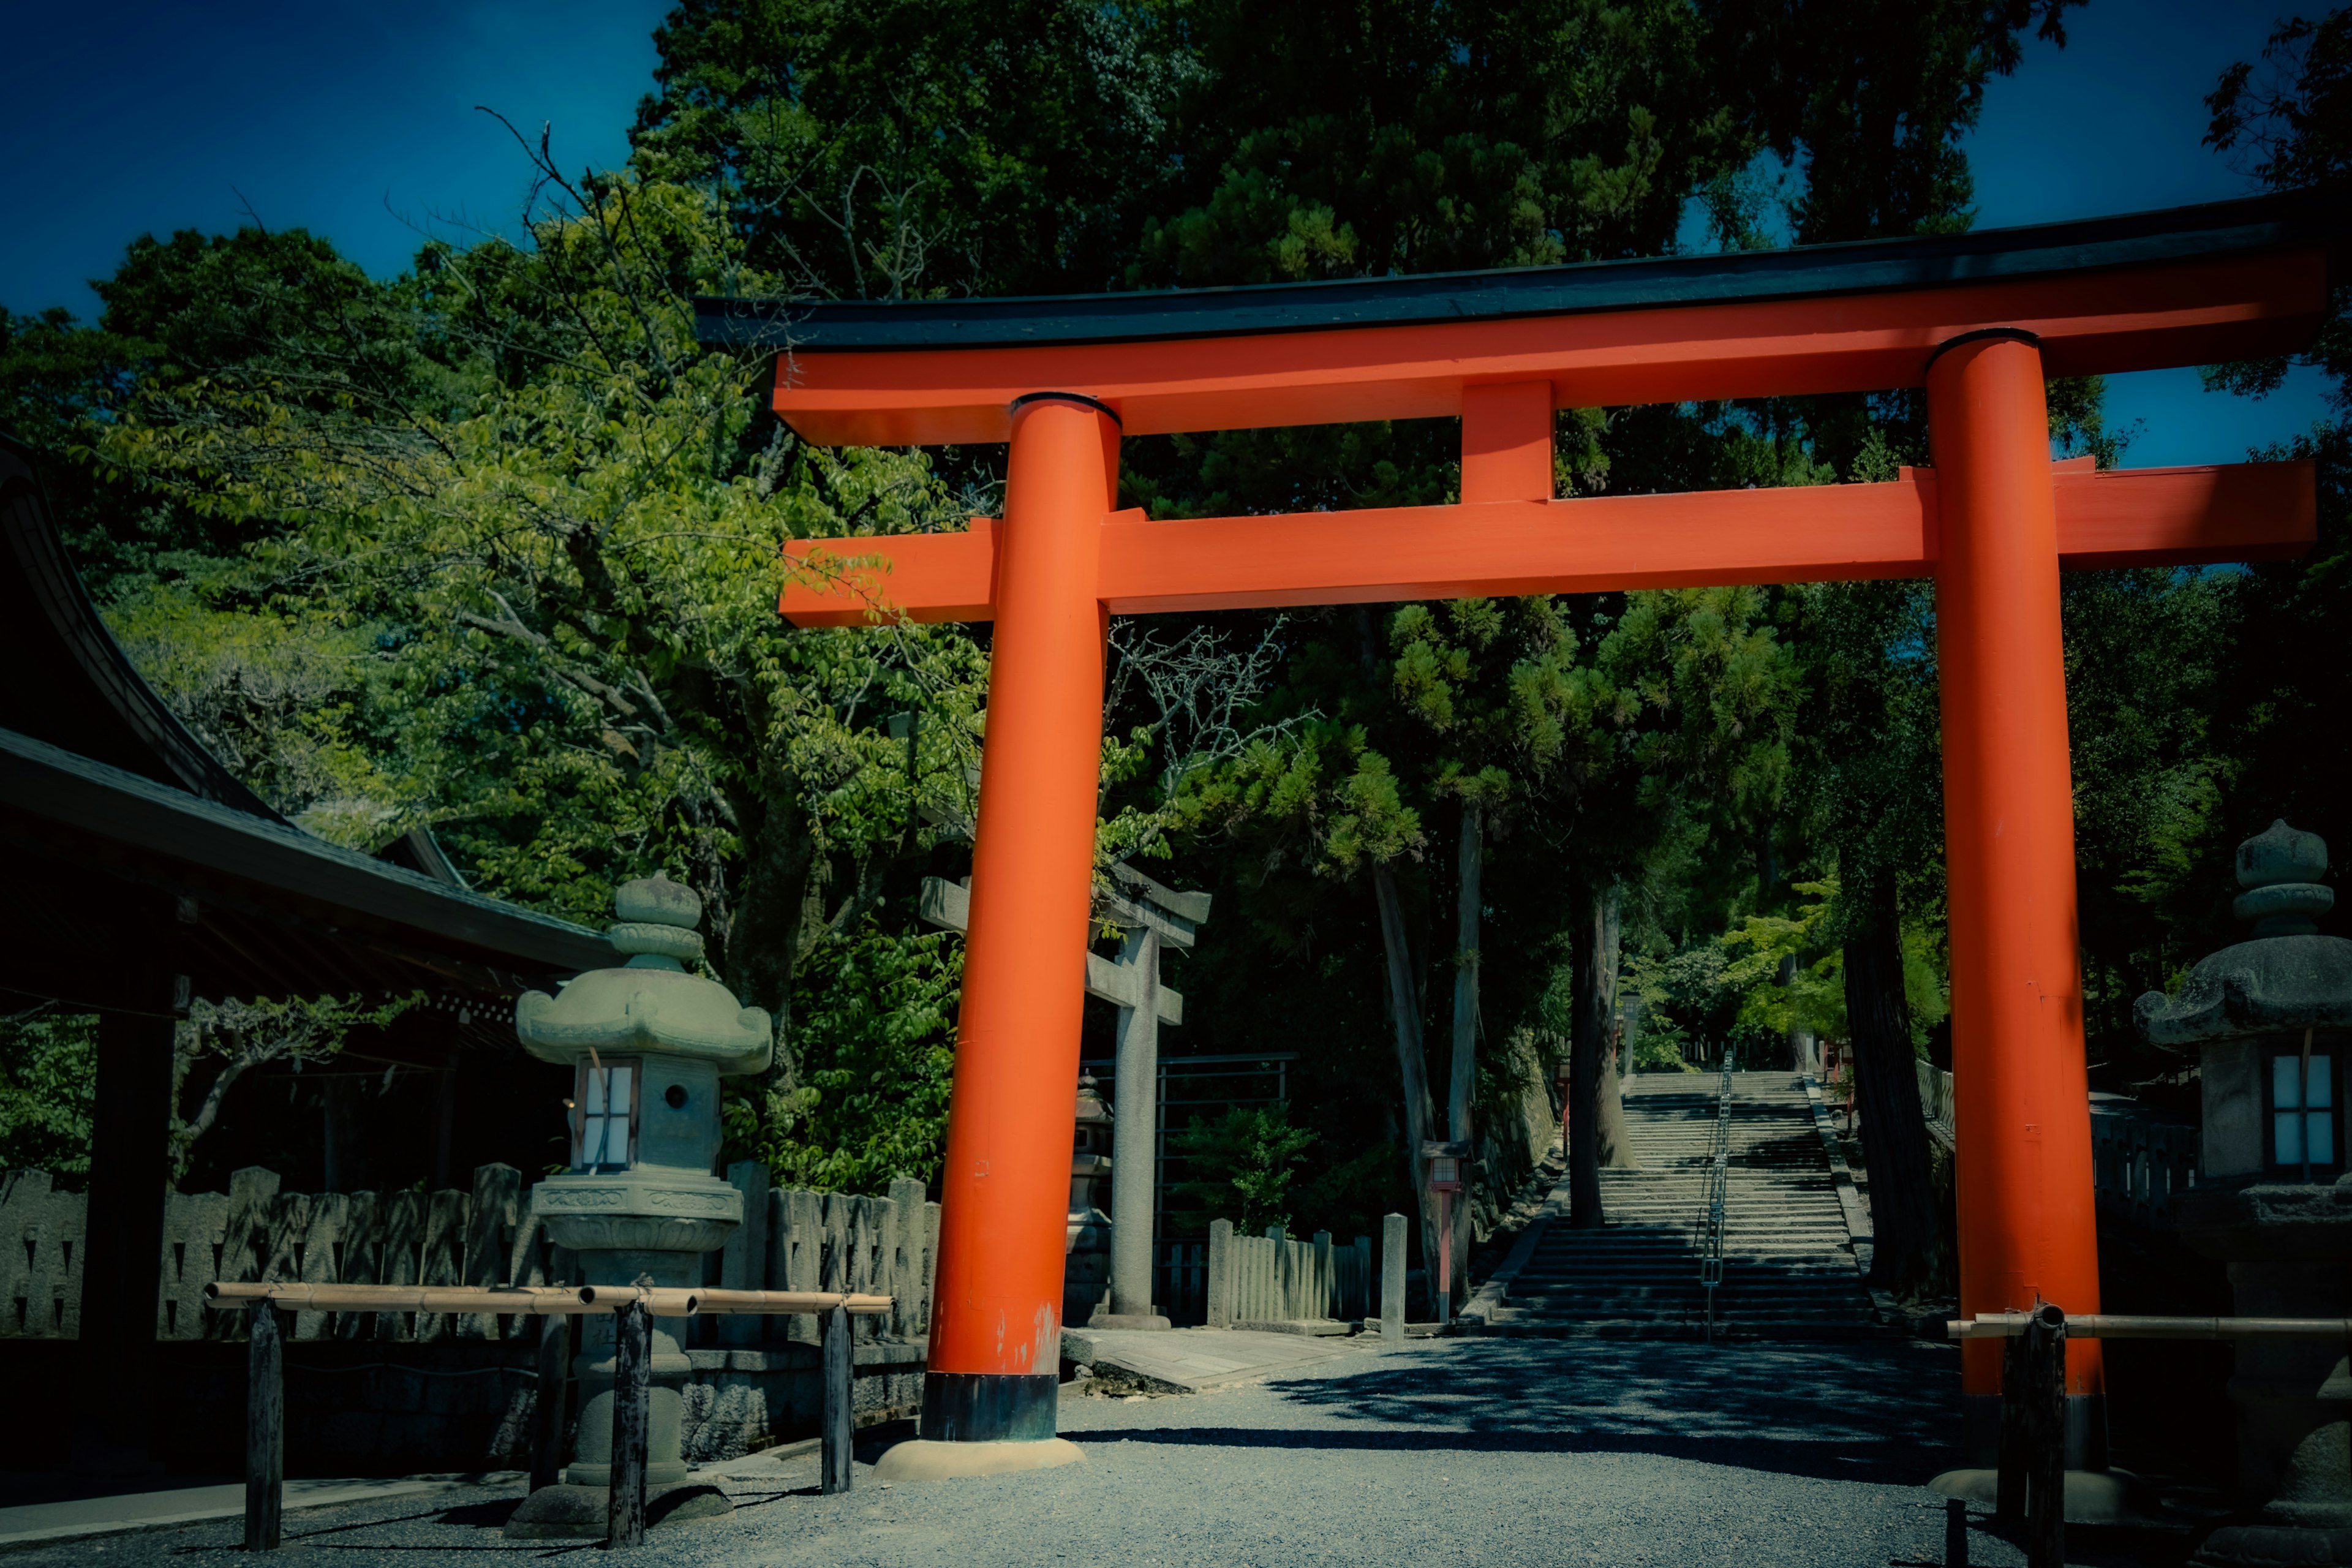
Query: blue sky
point(359, 123)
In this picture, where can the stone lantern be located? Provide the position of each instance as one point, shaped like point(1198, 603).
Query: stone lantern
point(647, 1043)
point(2271, 1020)
point(1086, 1270)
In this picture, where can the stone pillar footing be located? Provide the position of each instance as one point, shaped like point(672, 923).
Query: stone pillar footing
point(1128, 1320)
point(2092, 1497)
point(924, 1460)
point(569, 1512)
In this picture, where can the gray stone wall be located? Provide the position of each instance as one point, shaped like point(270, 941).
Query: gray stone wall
point(375, 1393)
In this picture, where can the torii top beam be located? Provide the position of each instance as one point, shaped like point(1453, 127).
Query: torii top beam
point(1502, 349)
point(2231, 279)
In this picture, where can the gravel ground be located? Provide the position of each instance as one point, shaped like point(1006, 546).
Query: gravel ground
point(1465, 1451)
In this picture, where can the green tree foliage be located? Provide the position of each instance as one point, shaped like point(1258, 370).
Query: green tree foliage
point(494, 547)
point(49, 1089)
point(902, 149)
point(875, 1042)
point(1243, 1164)
point(228, 1038)
point(1875, 99)
point(2284, 705)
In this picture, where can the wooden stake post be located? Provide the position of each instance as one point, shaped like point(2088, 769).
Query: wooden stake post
point(632, 1383)
point(2046, 1384)
point(264, 1427)
point(840, 1419)
point(547, 1423)
point(2016, 1428)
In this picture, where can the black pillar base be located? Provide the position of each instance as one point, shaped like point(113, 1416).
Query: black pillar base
point(989, 1407)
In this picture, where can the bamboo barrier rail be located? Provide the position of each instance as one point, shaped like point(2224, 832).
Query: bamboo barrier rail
point(2119, 1326)
point(545, 1301)
point(530, 1300)
point(667, 1302)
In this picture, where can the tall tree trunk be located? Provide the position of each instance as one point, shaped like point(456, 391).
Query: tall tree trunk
point(1412, 1062)
point(1616, 1139)
point(1893, 1131)
point(1588, 1058)
point(1794, 1035)
point(770, 917)
point(1464, 1084)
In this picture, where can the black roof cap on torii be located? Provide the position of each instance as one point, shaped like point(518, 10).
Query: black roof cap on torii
point(2215, 230)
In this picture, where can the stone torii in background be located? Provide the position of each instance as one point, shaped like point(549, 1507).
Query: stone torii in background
point(1147, 917)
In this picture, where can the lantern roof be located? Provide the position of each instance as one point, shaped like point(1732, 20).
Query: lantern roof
point(649, 1003)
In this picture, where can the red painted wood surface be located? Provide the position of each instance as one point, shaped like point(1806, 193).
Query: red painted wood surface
point(2028, 1231)
point(2129, 516)
point(2174, 314)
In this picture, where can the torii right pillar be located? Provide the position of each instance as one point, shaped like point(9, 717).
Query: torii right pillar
point(2027, 1226)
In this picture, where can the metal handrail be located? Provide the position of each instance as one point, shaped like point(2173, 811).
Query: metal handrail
point(1710, 1261)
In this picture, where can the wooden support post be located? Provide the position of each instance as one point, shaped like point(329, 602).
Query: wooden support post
point(1956, 1532)
point(633, 1381)
point(264, 1427)
point(2009, 1496)
point(547, 1415)
point(1392, 1279)
point(122, 1250)
point(840, 1400)
point(2045, 1492)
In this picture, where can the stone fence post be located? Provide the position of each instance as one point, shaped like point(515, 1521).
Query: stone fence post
point(1220, 1314)
point(1392, 1279)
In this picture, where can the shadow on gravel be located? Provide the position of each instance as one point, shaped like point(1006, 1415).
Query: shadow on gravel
point(1884, 1413)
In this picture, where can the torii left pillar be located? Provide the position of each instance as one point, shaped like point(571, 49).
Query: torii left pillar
point(992, 1381)
point(2028, 1229)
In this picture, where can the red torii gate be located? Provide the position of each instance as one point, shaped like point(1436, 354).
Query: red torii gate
point(1979, 319)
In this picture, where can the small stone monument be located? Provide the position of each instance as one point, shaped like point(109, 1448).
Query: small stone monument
point(2271, 1020)
point(647, 1043)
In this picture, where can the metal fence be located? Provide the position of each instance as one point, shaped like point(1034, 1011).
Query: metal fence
point(1179, 1281)
point(2139, 1165)
point(1195, 1089)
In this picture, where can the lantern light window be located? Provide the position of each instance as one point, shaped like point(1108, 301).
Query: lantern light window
point(605, 1122)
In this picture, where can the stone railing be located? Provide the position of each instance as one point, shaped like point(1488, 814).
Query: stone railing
point(1271, 1279)
point(2139, 1165)
point(789, 1240)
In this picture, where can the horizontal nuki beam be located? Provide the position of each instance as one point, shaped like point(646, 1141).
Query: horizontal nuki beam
point(949, 904)
point(549, 1300)
point(2129, 516)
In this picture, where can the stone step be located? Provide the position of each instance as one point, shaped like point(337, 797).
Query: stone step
point(1788, 1266)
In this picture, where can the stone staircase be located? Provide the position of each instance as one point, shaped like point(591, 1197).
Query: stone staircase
point(1789, 1268)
